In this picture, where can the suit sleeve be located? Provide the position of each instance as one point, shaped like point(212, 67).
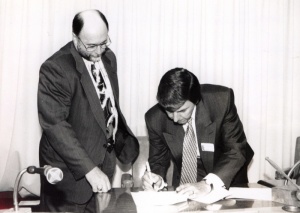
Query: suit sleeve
point(159, 154)
point(233, 144)
point(54, 100)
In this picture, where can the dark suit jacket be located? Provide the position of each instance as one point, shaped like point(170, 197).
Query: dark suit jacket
point(217, 123)
point(74, 126)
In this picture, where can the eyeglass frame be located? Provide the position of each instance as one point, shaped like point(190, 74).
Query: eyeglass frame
point(94, 47)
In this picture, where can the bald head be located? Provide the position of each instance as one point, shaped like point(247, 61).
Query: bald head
point(89, 20)
point(90, 34)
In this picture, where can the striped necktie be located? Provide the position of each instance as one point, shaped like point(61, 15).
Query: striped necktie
point(189, 156)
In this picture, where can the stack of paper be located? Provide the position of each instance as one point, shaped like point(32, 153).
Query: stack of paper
point(151, 198)
point(157, 198)
point(251, 193)
point(213, 196)
point(172, 197)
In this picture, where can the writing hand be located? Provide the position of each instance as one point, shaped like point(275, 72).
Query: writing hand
point(152, 183)
point(194, 189)
point(98, 180)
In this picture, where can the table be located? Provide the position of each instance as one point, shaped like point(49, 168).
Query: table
point(120, 200)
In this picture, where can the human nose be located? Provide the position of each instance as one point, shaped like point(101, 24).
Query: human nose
point(99, 51)
point(175, 117)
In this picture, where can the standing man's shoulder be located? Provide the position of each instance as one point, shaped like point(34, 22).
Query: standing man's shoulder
point(110, 54)
point(62, 61)
point(110, 58)
point(60, 68)
point(61, 54)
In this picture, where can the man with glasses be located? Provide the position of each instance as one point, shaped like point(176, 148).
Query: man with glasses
point(84, 129)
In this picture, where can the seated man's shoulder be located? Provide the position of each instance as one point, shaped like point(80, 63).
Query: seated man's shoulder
point(216, 96)
point(155, 112)
point(213, 88)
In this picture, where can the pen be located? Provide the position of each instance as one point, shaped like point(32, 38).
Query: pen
point(149, 170)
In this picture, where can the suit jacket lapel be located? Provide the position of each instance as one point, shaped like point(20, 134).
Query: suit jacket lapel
point(89, 89)
point(174, 137)
point(113, 78)
point(112, 75)
point(206, 132)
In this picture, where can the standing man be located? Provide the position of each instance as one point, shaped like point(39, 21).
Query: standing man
point(84, 129)
point(196, 126)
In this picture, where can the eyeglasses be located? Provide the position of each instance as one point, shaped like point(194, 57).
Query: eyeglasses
point(93, 47)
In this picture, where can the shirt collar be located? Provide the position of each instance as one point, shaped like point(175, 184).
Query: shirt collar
point(194, 113)
point(87, 64)
point(193, 116)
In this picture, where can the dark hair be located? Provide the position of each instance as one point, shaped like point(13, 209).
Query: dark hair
point(78, 22)
point(176, 87)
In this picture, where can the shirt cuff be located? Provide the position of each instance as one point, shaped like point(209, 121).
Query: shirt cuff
point(212, 179)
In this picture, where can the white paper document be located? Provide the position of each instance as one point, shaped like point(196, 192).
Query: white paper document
point(172, 197)
point(214, 196)
point(151, 198)
point(143, 198)
point(251, 193)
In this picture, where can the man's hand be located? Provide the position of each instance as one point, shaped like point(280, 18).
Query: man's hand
point(194, 189)
point(98, 180)
point(152, 183)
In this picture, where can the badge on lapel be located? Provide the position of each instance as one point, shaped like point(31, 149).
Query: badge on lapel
point(207, 147)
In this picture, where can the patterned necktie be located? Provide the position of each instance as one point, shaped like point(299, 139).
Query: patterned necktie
point(106, 106)
point(189, 156)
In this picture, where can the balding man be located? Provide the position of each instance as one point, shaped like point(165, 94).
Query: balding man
point(83, 127)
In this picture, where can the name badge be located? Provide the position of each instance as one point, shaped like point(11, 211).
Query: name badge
point(207, 147)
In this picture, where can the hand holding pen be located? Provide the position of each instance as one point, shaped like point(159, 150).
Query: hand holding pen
point(149, 171)
point(151, 181)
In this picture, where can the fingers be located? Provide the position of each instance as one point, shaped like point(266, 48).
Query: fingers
point(106, 186)
point(103, 185)
point(98, 180)
point(95, 188)
point(147, 182)
point(158, 183)
point(151, 181)
point(194, 189)
point(186, 189)
point(193, 194)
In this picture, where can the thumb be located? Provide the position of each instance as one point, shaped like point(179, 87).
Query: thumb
point(158, 182)
point(94, 188)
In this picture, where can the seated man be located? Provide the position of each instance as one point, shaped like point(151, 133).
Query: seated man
point(196, 126)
